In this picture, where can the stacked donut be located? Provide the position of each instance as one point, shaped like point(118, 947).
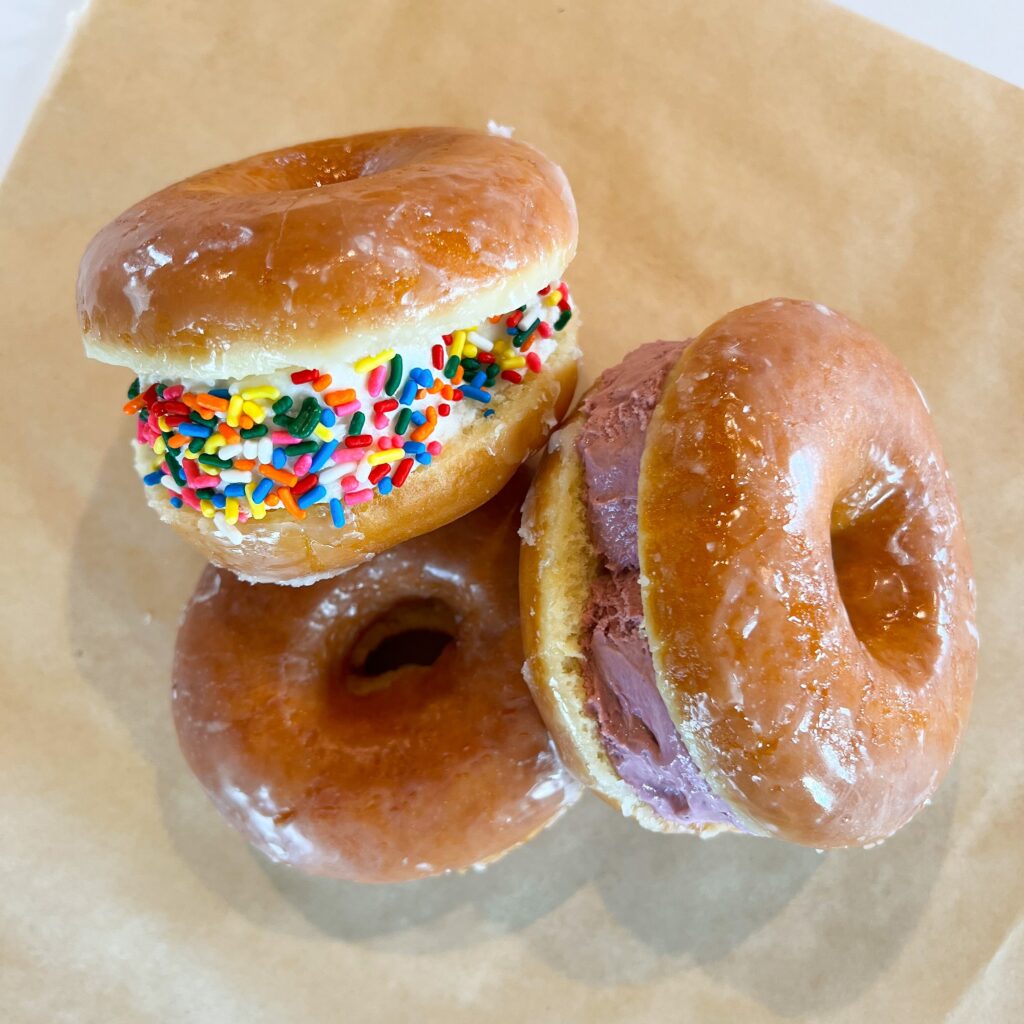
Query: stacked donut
point(746, 593)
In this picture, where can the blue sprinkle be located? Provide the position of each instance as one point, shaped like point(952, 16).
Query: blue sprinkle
point(414, 447)
point(279, 460)
point(488, 412)
point(219, 392)
point(384, 486)
point(478, 379)
point(511, 330)
point(477, 394)
point(337, 513)
point(262, 489)
point(408, 392)
point(311, 497)
point(418, 418)
point(235, 490)
point(324, 452)
point(219, 501)
point(422, 377)
point(327, 417)
point(193, 430)
point(176, 501)
point(424, 458)
point(153, 478)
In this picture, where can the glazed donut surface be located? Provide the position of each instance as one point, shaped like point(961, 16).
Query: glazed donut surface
point(317, 252)
point(306, 717)
point(806, 580)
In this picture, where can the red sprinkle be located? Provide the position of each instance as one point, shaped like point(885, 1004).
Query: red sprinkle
point(378, 473)
point(544, 290)
point(457, 394)
point(444, 409)
point(533, 362)
point(447, 338)
point(512, 376)
point(304, 376)
point(385, 405)
point(513, 320)
point(306, 483)
point(484, 357)
point(544, 329)
point(437, 354)
point(402, 470)
point(359, 441)
point(434, 447)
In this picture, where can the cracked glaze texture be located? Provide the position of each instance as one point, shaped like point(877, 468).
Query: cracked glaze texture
point(273, 260)
point(386, 777)
point(806, 580)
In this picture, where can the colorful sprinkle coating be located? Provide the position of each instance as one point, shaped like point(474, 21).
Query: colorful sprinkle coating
point(233, 451)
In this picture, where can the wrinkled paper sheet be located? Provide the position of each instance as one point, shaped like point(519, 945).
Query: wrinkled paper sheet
point(720, 153)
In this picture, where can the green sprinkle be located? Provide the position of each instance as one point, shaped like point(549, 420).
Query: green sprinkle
point(175, 468)
point(394, 381)
point(355, 425)
point(196, 445)
point(160, 389)
point(144, 416)
point(302, 448)
point(282, 405)
point(258, 431)
point(563, 319)
point(470, 365)
point(211, 460)
point(196, 418)
point(205, 493)
point(523, 335)
point(492, 372)
point(402, 420)
point(308, 418)
point(133, 389)
point(451, 366)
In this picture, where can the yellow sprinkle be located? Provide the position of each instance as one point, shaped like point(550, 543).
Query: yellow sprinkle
point(501, 345)
point(323, 432)
point(206, 507)
point(257, 508)
point(162, 423)
point(262, 391)
point(159, 446)
point(213, 442)
point(257, 412)
point(458, 342)
point(388, 455)
point(553, 298)
point(512, 362)
point(469, 350)
point(234, 410)
point(231, 510)
point(368, 363)
point(188, 454)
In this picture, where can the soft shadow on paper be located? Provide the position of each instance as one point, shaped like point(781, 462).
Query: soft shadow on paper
point(594, 896)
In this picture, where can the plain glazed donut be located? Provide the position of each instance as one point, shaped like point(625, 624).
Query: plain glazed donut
point(807, 602)
point(373, 727)
point(328, 291)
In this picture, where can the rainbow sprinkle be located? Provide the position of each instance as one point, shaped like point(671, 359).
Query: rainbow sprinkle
point(241, 449)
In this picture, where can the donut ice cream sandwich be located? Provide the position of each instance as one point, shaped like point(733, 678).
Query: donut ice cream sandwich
point(338, 345)
point(746, 590)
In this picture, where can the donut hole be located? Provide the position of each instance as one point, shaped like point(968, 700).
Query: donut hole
point(406, 639)
point(888, 583)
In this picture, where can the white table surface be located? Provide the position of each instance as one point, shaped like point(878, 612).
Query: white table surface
point(986, 33)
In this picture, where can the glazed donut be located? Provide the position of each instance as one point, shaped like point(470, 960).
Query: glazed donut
point(376, 726)
point(746, 588)
point(312, 327)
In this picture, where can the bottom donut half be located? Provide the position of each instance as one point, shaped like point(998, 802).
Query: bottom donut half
point(373, 727)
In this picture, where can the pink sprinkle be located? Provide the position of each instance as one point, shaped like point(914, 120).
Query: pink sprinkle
point(380, 422)
point(347, 456)
point(172, 393)
point(349, 483)
point(359, 497)
point(282, 437)
point(141, 432)
point(375, 383)
point(188, 496)
point(302, 464)
point(348, 407)
point(243, 514)
point(434, 447)
point(396, 441)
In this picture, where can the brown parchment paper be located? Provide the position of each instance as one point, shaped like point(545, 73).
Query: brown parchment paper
point(720, 153)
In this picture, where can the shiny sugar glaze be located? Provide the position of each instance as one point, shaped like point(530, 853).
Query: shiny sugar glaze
point(807, 583)
point(335, 754)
